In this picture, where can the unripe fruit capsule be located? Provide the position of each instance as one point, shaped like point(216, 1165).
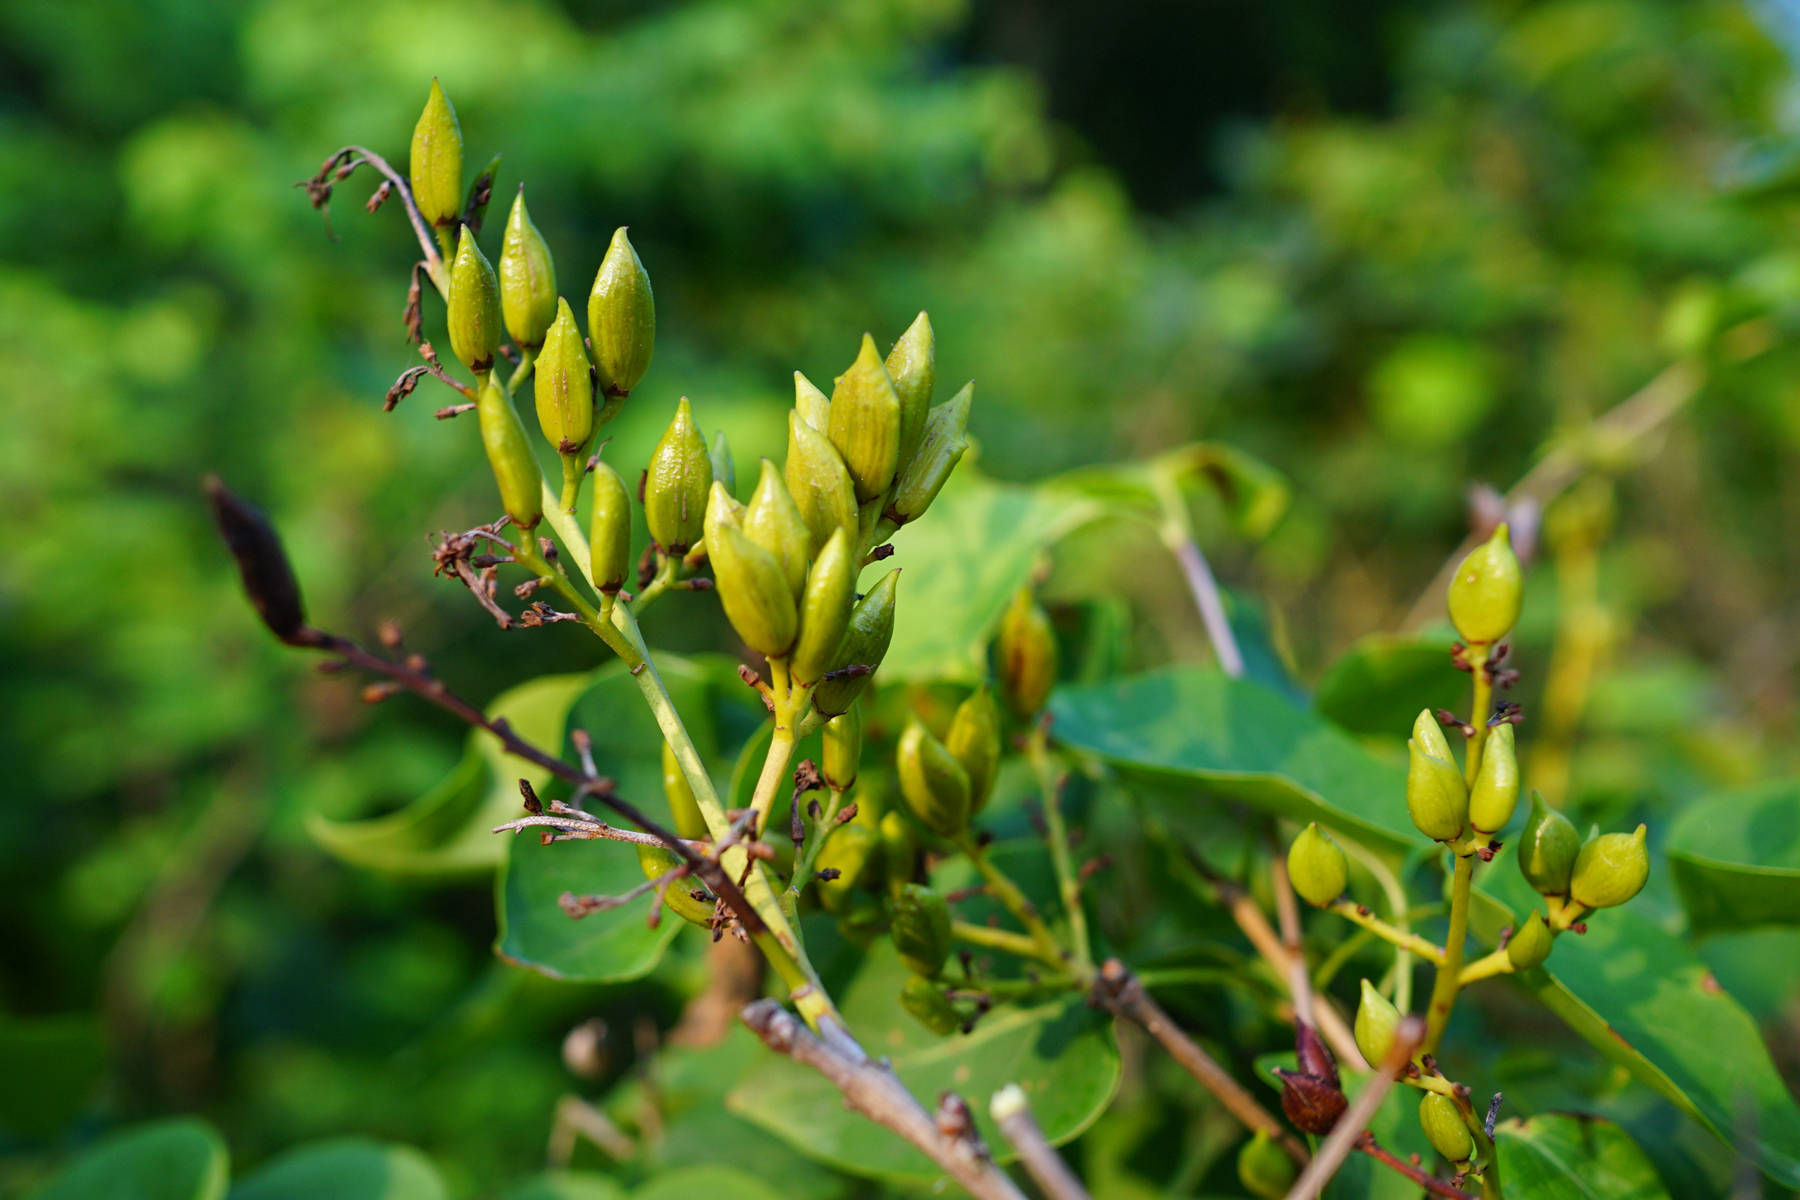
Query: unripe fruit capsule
point(609, 535)
point(819, 482)
point(1530, 944)
point(932, 782)
point(436, 168)
point(473, 307)
point(621, 318)
point(1487, 590)
point(1025, 653)
point(912, 365)
point(825, 609)
point(941, 446)
point(1496, 791)
point(1547, 849)
point(509, 454)
point(676, 484)
point(1444, 1127)
point(921, 930)
point(974, 740)
point(1436, 797)
point(1316, 867)
point(865, 422)
point(865, 644)
point(1610, 869)
point(527, 278)
point(1376, 1021)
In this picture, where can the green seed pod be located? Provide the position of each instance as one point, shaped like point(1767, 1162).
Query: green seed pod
point(1486, 591)
point(825, 607)
point(974, 740)
point(473, 307)
point(850, 850)
point(752, 590)
point(912, 365)
point(656, 861)
point(921, 929)
point(940, 448)
point(527, 279)
point(609, 535)
point(1496, 791)
point(899, 848)
point(1264, 1168)
point(621, 318)
point(819, 482)
point(1444, 1127)
point(1530, 943)
point(509, 454)
point(929, 1006)
point(865, 422)
point(932, 782)
point(676, 484)
point(436, 168)
point(1316, 867)
point(1376, 1021)
point(1436, 797)
point(1025, 650)
point(843, 750)
point(1547, 849)
point(772, 522)
point(565, 399)
point(684, 810)
point(813, 405)
point(721, 509)
point(1429, 734)
point(865, 643)
point(1610, 869)
point(724, 467)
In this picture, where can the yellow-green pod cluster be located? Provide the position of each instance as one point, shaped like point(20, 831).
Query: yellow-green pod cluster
point(1025, 655)
point(527, 278)
point(676, 484)
point(1610, 869)
point(753, 588)
point(1264, 1168)
point(865, 422)
point(865, 644)
point(772, 521)
point(473, 307)
point(974, 740)
point(1444, 1127)
point(1316, 867)
point(1376, 1022)
point(436, 169)
point(1487, 590)
point(621, 318)
point(842, 737)
point(819, 482)
point(933, 784)
point(825, 609)
point(609, 535)
point(1496, 792)
point(509, 454)
point(921, 929)
point(1547, 849)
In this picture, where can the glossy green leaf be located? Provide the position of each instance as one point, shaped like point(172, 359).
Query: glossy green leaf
point(1238, 740)
point(1639, 995)
point(1736, 858)
point(616, 945)
point(710, 1180)
point(567, 1185)
point(446, 832)
point(961, 563)
point(1560, 1156)
point(344, 1169)
point(180, 1159)
point(1379, 685)
point(1061, 1052)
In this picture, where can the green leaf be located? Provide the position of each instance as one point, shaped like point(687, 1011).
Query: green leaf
point(1565, 1157)
point(1736, 858)
point(567, 1185)
point(688, 1183)
point(180, 1159)
point(1379, 685)
point(345, 1169)
point(616, 945)
point(1252, 495)
point(962, 563)
point(1061, 1052)
point(1241, 741)
point(447, 831)
point(1640, 996)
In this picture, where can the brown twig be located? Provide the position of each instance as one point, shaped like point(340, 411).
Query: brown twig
point(1123, 994)
point(1287, 911)
point(1425, 1179)
point(342, 162)
point(872, 1089)
point(1045, 1165)
point(1355, 1121)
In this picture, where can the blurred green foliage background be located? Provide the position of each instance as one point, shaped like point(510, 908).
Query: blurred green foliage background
point(1390, 249)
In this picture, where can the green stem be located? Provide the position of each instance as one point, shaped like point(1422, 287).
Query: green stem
point(807, 861)
point(1447, 983)
point(1014, 901)
point(1069, 884)
point(447, 246)
point(1482, 709)
point(1424, 948)
point(523, 371)
point(668, 572)
point(1003, 940)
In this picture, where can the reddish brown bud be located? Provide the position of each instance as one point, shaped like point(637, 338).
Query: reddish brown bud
point(262, 564)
